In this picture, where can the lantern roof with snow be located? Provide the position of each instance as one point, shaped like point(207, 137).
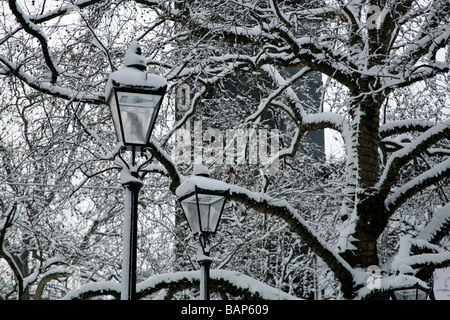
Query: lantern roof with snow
point(200, 180)
point(132, 74)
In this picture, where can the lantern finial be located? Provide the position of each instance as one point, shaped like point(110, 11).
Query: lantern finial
point(201, 170)
point(134, 58)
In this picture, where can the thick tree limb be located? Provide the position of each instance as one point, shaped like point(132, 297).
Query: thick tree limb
point(438, 227)
point(264, 204)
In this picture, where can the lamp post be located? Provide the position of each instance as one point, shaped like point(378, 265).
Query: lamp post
point(134, 97)
point(202, 200)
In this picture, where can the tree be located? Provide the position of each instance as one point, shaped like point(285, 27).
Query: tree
point(375, 55)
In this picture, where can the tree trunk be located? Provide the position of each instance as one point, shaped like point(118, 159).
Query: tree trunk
point(363, 203)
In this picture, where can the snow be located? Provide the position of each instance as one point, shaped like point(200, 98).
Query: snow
point(237, 279)
point(188, 185)
point(100, 286)
point(403, 262)
point(129, 73)
point(130, 76)
point(436, 223)
point(133, 56)
point(402, 281)
point(126, 177)
point(409, 124)
point(200, 169)
point(72, 95)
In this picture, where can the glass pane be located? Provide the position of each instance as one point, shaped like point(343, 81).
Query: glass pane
point(115, 119)
point(136, 110)
point(143, 100)
point(215, 211)
point(189, 206)
point(210, 209)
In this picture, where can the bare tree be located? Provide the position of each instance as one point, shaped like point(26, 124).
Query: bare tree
point(386, 65)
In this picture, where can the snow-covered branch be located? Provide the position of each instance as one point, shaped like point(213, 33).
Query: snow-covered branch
point(35, 31)
point(416, 253)
point(47, 88)
point(281, 208)
point(418, 184)
point(417, 146)
point(171, 168)
point(404, 126)
point(221, 281)
point(438, 227)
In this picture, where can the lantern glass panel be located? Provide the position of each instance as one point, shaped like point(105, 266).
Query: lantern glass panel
point(189, 206)
point(116, 119)
point(210, 209)
point(137, 111)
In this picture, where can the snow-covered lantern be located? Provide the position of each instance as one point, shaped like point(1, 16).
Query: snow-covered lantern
point(415, 292)
point(134, 97)
point(202, 200)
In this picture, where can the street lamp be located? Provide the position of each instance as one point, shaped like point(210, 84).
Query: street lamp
point(134, 97)
point(202, 200)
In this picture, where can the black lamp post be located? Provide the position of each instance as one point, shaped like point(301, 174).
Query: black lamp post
point(134, 97)
point(202, 200)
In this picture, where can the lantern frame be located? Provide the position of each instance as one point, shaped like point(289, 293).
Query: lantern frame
point(117, 109)
point(198, 214)
point(414, 291)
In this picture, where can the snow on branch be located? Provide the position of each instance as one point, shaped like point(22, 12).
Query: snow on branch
point(417, 184)
point(170, 167)
point(63, 9)
point(263, 203)
point(56, 91)
point(437, 227)
point(405, 261)
point(412, 255)
point(417, 146)
point(36, 32)
point(403, 126)
point(234, 282)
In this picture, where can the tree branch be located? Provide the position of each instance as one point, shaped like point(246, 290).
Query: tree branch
point(35, 31)
point(264, 204)
point(401, 157)
point(438, 227)
point(52, 90)
point(418, 184)
point(222, 281)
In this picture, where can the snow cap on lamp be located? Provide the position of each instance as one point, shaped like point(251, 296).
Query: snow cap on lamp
point(134, 58)
point(200, 170)
point(132, 73)
point(200, 179)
